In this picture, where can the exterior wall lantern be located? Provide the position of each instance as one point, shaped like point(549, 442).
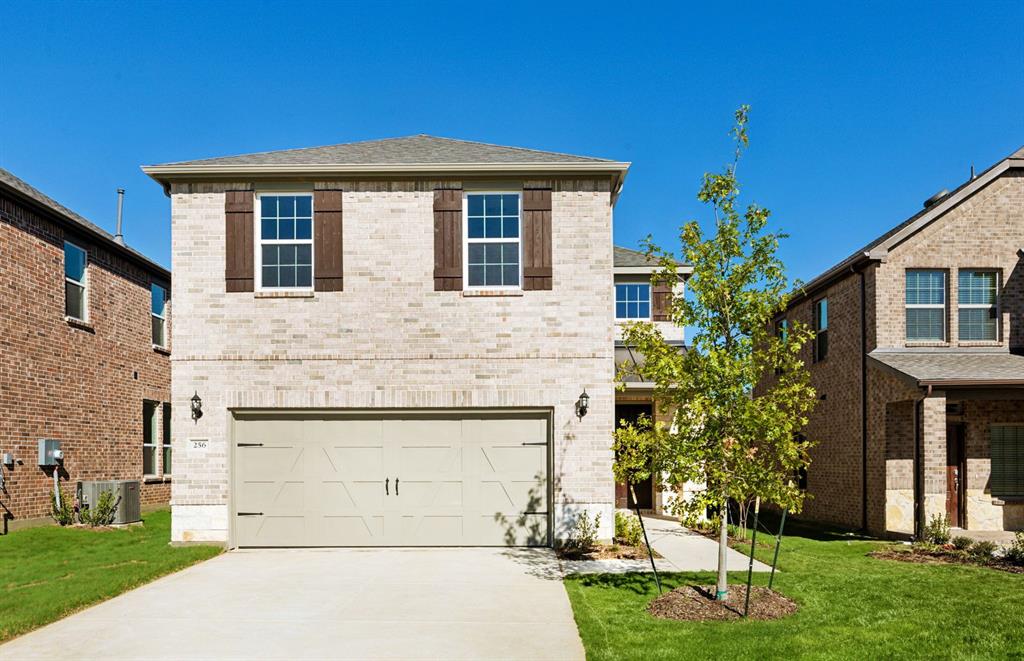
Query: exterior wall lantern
point(197, 407)
point(582, 404)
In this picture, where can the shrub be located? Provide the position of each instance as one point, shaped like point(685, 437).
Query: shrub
point(583, 537)
point(102, 514)
point(961, 543)
point(924, 546)
point(1015, 551)
point(982, 550)
point(627, 529)
point(937, 530)
point(65, 514)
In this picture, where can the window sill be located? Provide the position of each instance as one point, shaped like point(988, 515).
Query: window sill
point(285, 294)
point(925, 344)
point(1007, 500)
point(474, 293)
point(78, 323)
point(155, 479)
point(161, 350)
point(980, 343)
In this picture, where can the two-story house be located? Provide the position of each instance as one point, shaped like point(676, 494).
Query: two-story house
point(918, 367)
point(394, 342)
point(84, 356)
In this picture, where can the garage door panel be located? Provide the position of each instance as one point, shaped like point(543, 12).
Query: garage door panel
point(268, 463)
point(356, 530)
point(354, 461)
point(346, 496)
point(270, 530)
point(427, 495)
point(516, 460)
point(432, 530)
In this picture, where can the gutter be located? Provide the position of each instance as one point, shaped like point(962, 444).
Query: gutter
point(863, 403)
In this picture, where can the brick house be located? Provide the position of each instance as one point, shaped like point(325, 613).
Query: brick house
point(918, 369)
point(390, 340)
point(84, 355)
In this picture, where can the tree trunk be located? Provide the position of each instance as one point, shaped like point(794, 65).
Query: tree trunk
point(723, 550)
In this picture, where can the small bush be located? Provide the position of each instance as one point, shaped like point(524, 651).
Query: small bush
point(65, 514)
point(1015, 551)
point(937, 530)
point(102, 514)
point(583, 538)
point(961, 543)
point(925, 546)
point(627, 529)
point(982, 550)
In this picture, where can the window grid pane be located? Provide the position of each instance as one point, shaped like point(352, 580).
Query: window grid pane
point(286, 232)
point(978, 324)
point(492, 232)
point(925, 324)
point(977, 288)
point(926, 288)
point(493, 264)
point(633, 301)
point(1007, 451)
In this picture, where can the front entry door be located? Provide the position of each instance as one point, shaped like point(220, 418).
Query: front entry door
point(955, 474)
point(645, 489)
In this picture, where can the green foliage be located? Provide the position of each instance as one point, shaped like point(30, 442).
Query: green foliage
point(102, 514)
point(936, 530)
point(65, 513)
point(627, 529)
point(722, 435)
point(1015, 551)
point(583, 537)
point(961, 543)
point(982, 550)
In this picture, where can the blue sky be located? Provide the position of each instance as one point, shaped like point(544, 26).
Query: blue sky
point(859, 111)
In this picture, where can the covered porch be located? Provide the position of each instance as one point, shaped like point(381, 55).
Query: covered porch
point(954, 439)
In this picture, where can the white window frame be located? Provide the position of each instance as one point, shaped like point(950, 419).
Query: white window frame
point(259, 241)
point(154, 444)
point(166, 447)
point(466, 240)
point(927, 306)
point(84, 284)
point(980, 306)
point(633, 281)
point(161, 317)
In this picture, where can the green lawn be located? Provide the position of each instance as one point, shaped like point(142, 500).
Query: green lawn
point(49, 572)
point(851, 607)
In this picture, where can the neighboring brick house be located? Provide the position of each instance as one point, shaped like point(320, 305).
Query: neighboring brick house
point(918, 369)
point(79, 354)
point(390, 340)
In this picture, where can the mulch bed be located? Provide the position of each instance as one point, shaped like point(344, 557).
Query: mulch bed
point(696, 603)
point(943, 558)
point(609, 552)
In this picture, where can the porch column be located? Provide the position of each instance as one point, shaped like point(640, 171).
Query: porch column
point(933, 454)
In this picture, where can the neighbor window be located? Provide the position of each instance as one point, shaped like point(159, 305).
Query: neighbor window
point(75, 260)
point(158, 298)
point(1007, 451)
point(976, 302)
point(926, 306)
point(492, 240)
point(633, 301)
point(165, 438)
point(781, 332)
point(285, 251)
point(149, 436)
point(820, 329)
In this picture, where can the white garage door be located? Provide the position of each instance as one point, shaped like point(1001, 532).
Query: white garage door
point(390, 481)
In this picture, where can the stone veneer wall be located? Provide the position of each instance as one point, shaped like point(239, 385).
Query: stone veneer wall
point(390, 341)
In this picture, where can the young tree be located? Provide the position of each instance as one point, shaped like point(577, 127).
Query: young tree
point(723, 436)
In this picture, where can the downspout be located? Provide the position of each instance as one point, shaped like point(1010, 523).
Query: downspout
point(863, 403)
point(918, 468)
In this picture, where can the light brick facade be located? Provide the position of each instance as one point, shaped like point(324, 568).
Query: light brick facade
point(81, 384)
point(389, 341)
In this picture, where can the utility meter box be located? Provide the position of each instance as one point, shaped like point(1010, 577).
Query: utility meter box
point(49, 452)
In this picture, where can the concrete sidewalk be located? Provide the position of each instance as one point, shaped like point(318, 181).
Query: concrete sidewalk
point(689, 551)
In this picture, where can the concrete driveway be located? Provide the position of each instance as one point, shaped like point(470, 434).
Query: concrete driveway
point(330, 604)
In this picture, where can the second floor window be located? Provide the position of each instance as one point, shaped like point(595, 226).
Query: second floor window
point(492, 240)
point(926, 306)
point(781, 332)
point(976, 303)
point(633, 301)
point(158, 296)
point(75, 260)
point(285, 251)
point(820, 329)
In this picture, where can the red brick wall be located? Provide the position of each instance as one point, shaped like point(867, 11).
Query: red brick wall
point(82, 386)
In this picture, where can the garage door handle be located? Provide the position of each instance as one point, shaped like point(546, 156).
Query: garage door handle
point(537, 443)
point(250, 514)
point(386, 492)
point(396, 486)
point(250, 445)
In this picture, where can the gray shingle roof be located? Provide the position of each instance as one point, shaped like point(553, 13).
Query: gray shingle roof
point(939, 366)
point(409, 150)
point(624, 257)
point(24, 189)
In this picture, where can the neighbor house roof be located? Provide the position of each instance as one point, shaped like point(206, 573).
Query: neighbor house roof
point(634, 261)
point(953, 368)
point(879, 248)
point(405, 155)
point(21, 189)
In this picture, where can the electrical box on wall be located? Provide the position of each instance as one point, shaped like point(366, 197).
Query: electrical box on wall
point(49, 452)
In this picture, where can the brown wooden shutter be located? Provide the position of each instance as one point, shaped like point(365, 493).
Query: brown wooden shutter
point(327, 246)
point(661, 302)
point(448, 240)
point(238, 249)
point(537, 238)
